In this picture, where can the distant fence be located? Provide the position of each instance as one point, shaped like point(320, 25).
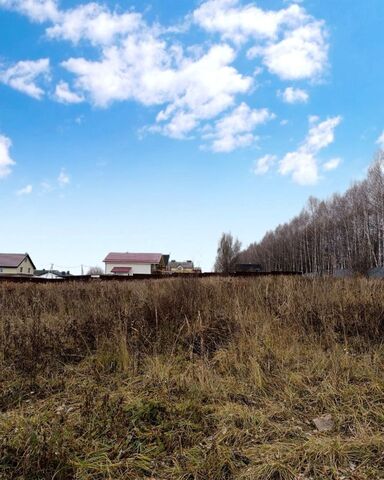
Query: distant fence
point(122, 278)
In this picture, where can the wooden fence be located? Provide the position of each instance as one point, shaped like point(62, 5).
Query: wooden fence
point(121, 278)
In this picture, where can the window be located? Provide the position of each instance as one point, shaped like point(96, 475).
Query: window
point(1, 270)
point(29, 270)
point(21, 269)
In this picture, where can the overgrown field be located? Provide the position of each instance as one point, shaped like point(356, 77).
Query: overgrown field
point(192, 379)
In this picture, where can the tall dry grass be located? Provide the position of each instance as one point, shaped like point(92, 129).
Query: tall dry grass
point(192, 379)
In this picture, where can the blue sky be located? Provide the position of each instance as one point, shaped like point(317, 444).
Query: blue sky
point(156, 126)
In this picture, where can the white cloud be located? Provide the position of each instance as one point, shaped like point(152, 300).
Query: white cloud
point(25, 190)
point(332, 164)
point(264, 164)
point(136, 63)
point(132, 60)
point(179, 126)
point(301, 54)
point(380, 141)
point(294, 95)
point(203, 88)
point(65, 95)
point(63, 178)
point(321, 134)
point(138, 68)
point(95, 23)
point(291, 43)
point(235, 130)
point(90, 21)
point(36, 10)
point(302, 164)
point(6, 161)
point(143, 69)
point(239, 23)
point(23, 76)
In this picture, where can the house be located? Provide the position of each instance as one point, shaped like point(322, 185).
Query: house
point(135, 263)
point(16, 264)
point(51, 274)
point(183, 267)
point(377, 272)
point(248, 268)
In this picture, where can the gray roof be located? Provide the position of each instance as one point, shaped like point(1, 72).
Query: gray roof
point(377, 272)
point(39, 273)
point(127, 257)
point(187, 264)
point(13, 260)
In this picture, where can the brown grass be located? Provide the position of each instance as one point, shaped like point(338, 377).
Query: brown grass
point(192, 379)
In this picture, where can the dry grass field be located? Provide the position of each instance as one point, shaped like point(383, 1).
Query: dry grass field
point(192, 379)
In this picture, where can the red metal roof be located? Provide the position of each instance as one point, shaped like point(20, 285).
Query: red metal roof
point(121, 269)
point(11, 260)
point(152, 258)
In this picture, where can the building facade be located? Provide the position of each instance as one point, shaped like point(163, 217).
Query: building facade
point(130, 264)
point(182, 267)
point(16, 264)
point(248, 268)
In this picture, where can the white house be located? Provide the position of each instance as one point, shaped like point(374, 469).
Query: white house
point(130, 264)
point(16, 264)
point(49, 275)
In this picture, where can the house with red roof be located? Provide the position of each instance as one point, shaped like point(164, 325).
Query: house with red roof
point(16, 264)
point(130, 264)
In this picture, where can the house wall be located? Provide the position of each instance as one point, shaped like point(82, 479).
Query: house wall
point(25, 268)
point(137, 268)
point(182, 270)
point(8, 271)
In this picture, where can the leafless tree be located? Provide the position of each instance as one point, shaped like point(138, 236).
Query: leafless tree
point(228, 252)
point(95, 271)
point(343, 232)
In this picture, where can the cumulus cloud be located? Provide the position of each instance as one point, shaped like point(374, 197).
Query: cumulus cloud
point(127, 59)
point(65, 95)
point(380, 141)
point(203, 88)
point(236, 129)
point(240, 22)
point(135, 61)
point(332, 164)
point(90, 21)
point(23, 76)
point(290, 42)
point(25, 190)
point(63, 179)
point(302, 164)
point(301, 54)
point(294, 95)
point(142, 69)
point(6, 162)
point(264, 164)
point(95, 23)
point(36, 10)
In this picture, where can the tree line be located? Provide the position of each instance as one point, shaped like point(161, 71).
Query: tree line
point(343, 232)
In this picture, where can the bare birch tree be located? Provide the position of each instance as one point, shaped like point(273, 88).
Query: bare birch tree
point(343, 232)
point(228, 252)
